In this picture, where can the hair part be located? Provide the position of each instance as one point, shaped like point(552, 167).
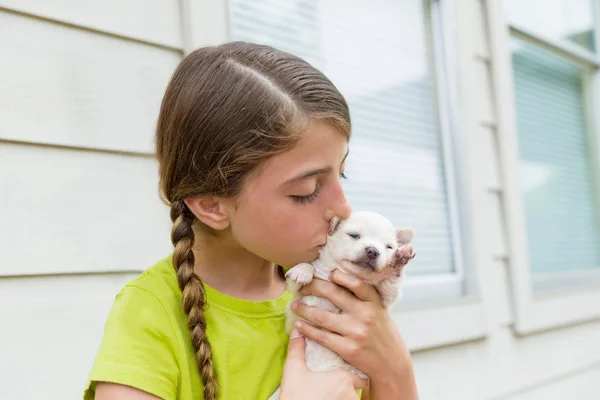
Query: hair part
point(226, 110)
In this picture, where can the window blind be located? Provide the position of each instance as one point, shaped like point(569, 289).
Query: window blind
point(562, 211)
point(376, 53)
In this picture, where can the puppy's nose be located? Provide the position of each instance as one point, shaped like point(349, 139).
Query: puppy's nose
point(372, 253)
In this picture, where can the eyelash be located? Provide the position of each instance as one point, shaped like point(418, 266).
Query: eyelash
point(311, 197)
point(307, 199)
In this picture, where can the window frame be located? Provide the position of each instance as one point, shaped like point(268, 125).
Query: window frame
point(463, 317)
point(539, 303)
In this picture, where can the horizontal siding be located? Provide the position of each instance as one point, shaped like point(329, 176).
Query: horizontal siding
point(154, 21)
point(61, 85)
point(73, 211)
point(584, 385)
point(503, 365)
point(87, 211)
point(51, 329)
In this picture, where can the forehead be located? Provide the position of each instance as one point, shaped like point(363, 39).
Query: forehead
point(320, 146)
point(370, 226)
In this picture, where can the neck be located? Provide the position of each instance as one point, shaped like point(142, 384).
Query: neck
point(232, 270)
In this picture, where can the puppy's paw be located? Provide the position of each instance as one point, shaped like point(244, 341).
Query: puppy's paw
point(302, 274)
point(404, 254)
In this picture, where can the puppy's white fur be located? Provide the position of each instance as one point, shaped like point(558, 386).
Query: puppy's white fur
point(365, 245)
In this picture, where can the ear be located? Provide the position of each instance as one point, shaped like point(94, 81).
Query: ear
point(404, 236)
point(334, 225)
point(209, 210)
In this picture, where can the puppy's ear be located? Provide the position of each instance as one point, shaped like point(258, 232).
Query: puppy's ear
point(334, 225)
point(405, 236)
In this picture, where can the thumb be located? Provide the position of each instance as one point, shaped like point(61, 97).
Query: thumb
point(296, 347)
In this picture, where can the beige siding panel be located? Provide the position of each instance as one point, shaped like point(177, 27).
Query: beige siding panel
point(64, 86)
point(155, 21)
point(51, 330)
point(503, 364)
point(67, 211)
point(581, 385)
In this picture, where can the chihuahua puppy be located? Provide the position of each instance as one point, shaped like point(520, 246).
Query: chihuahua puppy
point(365, 245)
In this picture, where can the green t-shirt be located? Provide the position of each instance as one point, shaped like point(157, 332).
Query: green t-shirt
point(146, 342)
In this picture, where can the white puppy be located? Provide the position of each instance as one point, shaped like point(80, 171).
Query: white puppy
point(365, 245)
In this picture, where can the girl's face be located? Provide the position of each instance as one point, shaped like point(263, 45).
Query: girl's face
point(284, 211)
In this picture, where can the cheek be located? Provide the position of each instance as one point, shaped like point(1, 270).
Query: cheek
point(279, 220)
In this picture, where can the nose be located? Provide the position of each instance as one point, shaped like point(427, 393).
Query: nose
point(344, 210)
point(339, 206)
point(372, 253)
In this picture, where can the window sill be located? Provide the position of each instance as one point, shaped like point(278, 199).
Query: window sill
point(434, 324)
point(560, 308)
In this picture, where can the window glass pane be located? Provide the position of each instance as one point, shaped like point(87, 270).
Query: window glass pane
point(376, 54)
point(571, 20)
point(563, 224)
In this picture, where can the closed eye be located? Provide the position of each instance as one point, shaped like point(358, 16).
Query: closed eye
point(308, 198)
point(389, 246)
point(354, 235)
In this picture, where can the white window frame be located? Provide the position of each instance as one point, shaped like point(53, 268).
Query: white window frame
point(206, 22)
point(540, 302)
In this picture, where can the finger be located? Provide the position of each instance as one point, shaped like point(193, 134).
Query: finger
point(358, 382)
point(339, 296)
point(347, 376)
point(331, 340)
point(360, 288)
point(338, 323)
point(296, 347)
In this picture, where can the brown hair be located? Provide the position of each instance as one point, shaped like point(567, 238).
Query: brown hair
point(226, 109)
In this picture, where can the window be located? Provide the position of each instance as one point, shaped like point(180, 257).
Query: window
point(380, 56)
point(547, 85)
point(567, 21)
point(557, 179)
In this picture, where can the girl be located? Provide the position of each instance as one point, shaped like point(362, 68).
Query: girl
point(251, 144)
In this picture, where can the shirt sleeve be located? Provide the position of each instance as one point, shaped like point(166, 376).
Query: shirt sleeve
point(138, 347)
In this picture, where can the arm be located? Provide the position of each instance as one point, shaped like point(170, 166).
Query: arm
point(138, 350)
point(113, 391)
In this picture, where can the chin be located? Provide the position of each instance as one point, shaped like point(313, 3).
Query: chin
point(308, 257)
point(361, 270)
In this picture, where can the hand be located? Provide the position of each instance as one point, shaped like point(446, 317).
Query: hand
point(299, 383)
point(364, 334)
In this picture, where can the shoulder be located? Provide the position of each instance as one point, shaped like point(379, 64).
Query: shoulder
point(150, 300)
point(139, 346)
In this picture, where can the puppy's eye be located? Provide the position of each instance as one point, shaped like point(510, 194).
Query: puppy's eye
point(389, 246)
point(354, 235)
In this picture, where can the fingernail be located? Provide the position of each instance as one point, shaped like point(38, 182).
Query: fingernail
point(295, 334)
point(298, 324)
point(294, 305)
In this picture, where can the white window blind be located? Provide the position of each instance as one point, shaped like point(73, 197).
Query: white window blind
point(561, 209)
point(378, 55)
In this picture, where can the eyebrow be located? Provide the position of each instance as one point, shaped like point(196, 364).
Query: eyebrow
point(313, 172)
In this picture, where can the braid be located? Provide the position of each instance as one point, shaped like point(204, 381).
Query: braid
point(194, 297)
